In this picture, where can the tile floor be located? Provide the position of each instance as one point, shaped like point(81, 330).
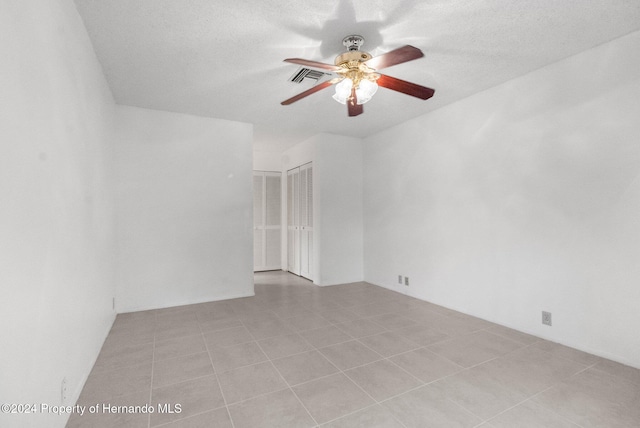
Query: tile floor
point(352, 355)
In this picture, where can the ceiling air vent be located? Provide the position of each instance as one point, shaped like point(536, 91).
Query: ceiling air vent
point(306, 73)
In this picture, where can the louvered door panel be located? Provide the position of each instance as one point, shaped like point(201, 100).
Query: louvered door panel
point(293, 221)
point(266, 221)
point(273, 235)
point(306, 221)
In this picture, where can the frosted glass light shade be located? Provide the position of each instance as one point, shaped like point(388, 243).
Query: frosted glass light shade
point(365, 91)
point(343, 91)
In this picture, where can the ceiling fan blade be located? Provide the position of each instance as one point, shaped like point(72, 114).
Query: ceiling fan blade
point(314, 64)
point(396, 56)
point(352, 103)
point(313, 90)
point(405, 87)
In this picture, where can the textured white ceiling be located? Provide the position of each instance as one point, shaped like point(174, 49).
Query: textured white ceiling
point(223, 59)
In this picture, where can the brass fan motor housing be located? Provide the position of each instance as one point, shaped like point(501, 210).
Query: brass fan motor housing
point(354, 68)
point(352, 58)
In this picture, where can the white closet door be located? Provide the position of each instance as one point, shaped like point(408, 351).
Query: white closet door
point(266, 221)
point(258, 220)
point(293, 221)
point(273, 219)
point(306, 221)
point(300, 221)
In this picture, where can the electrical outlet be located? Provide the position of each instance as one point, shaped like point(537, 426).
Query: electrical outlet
point(406, 281)
point(546, 318)
point(399, 279)
point(63, 391)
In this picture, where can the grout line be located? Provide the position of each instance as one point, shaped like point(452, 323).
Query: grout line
point(545, 407)
point(215, 373)
point(482, 420)
point(289, 387)
point(407, 372)
point(153, 358)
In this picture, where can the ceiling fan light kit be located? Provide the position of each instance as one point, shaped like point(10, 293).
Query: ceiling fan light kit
point(358, 78)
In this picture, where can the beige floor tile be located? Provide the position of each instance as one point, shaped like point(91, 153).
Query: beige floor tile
point(228, 337)
point(530, 415)
point(214, 310)
point(516, 379)
point(275, 410)
point(426, 317)
point(232, 357)
point(340, 315)
point(194, 396)
point(530, 371)
point(291, 310)
point(593, 398)
point(177, 347)
point(474, 348)
point(321, 307)
point(478, 392)
point(304, 367)
point(325, 336)
point(389, 343)
point(179, 369)
point(104, 385)
point(208, 325)
point(516, 336)
point(425, 408)
point(371, 417)
point(361, 328)
point(392, 321)
point(626, 372)
point(176, 311)
point(306, 322)
point(371, 309)
point(173, 332)
point(249, 381)
point(136, 335)
point(176, 316)
point(246, 306)
point(350, 354)
point(255, 318)
point(352, 300)
point(282, 346)
point(218, 418)
point(264, 329)
point(124, 355)
point(425, 365)
point(454, 326)
point(332, 397)
point(421, 335)
point(475, 322)
point(566, 352)
point(382, 379)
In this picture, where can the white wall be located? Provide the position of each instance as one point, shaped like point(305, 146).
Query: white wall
point(522, 198)
point(267, 161)
point(337, 211)
point(56, 228)
point(338, 195)
point(184, 209)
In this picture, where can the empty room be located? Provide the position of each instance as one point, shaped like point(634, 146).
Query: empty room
point(388, 214)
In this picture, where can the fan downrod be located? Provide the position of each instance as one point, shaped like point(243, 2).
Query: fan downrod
point(353, 42)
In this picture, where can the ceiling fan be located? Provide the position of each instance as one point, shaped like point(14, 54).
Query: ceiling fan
point(358, 78)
